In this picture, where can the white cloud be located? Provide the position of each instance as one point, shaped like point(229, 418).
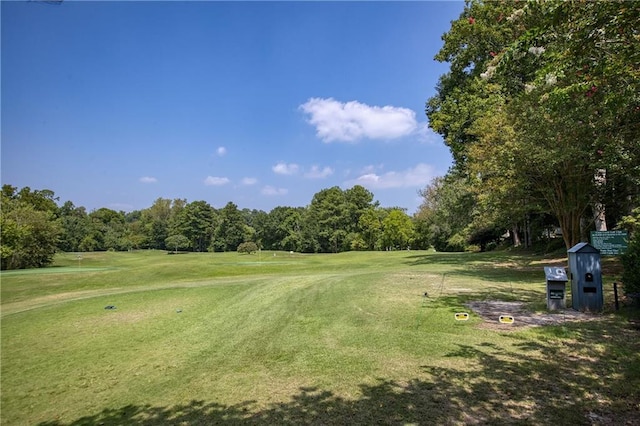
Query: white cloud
point(317, 173)
point(417, 176)
point(371, 168)
point(249, 181)
point(352, 121)
point(221, 151)
point(148, 179)
point(270, 190)
point(285, 169)
point(216, 181)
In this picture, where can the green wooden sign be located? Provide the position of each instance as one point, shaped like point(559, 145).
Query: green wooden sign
point(610, 243)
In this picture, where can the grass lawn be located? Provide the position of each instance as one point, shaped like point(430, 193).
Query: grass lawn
point(289, 339)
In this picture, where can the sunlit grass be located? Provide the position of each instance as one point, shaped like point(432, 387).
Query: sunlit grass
point(273, 338)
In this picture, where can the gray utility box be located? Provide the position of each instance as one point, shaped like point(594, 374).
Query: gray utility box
point(586, 278)
point(556, 285)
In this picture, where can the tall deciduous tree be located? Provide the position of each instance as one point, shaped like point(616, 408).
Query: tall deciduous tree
point(447, 211)
point(397, 230)
point(256, 221)
point(370, 225)
point(156, 222)
point(573, 81)
point(195, 221)
point(283, 229)
point(328, 210)
point(75, 226)
point(29, 228)
point(159, 219)
point(230, 231)
point(561, 82)
point(471, 42)
point(108, 229)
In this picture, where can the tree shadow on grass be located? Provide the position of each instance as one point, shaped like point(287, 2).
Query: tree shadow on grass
point(494, 266)
point(578, 373)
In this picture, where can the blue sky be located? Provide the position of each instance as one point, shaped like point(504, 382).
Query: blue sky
point(115, 104)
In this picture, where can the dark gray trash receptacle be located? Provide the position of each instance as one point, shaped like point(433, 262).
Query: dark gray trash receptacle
point(586, 278)
point(556, 285)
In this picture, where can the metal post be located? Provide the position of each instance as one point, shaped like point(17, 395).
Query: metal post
point(615, 295)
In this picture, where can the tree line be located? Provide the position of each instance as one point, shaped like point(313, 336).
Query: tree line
point(34, 226)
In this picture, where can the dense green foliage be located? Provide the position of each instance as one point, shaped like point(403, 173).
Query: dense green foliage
point(631, 263)
point(631, 258)
point(541, 111)
point(248, 247)
point(177, 242)
point(34, 226)
point(30, 228)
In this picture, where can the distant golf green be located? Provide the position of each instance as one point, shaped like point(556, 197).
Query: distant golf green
point(146, 338)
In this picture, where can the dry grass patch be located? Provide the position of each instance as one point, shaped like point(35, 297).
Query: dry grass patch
point(490, 311)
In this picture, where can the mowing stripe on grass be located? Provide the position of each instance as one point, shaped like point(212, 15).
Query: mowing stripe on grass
point(54, 270)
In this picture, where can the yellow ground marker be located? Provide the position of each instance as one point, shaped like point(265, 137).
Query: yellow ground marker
point(461, 316)
point(506, 319)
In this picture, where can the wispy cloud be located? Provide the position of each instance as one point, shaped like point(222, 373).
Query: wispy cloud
point(148, 179)
point(318, 173)
point(270, 190)
point(216, 181)
point(121, 206)
point(426, 134)
point(353, 121)
point(418, 176)
point(371, 169)
point(285, 169)
point(221, 151)
point(249, 181)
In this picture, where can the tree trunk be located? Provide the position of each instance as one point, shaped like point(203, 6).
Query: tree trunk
point(569, 201)
point(598, 208)
point(570, 226)
point(516, 237)
point(599, 217)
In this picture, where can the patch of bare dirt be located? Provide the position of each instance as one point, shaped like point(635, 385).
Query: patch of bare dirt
point(491, 311)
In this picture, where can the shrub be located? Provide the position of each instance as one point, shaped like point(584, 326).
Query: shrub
point(177, 242)
point(631, 264)
point(248, 247)
point(357, 242)
point(631, 257)
point(457, 242)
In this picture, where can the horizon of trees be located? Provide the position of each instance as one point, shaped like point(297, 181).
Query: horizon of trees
point(34, 226)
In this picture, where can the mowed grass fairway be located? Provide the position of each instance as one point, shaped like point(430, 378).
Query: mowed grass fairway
point(349, 338)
